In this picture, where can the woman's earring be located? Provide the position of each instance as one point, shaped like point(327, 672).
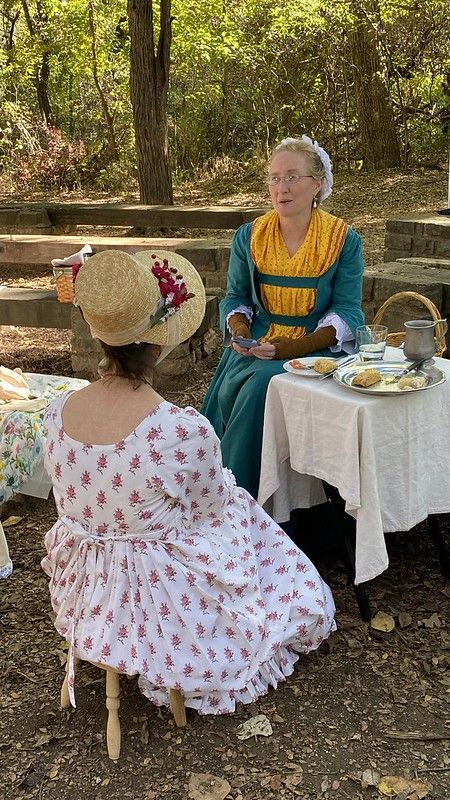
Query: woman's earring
point(315, 202)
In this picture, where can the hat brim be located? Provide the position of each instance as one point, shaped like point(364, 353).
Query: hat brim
point(118, 294)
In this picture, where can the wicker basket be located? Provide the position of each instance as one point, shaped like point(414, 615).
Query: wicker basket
point(64, 284)
point(396, 339)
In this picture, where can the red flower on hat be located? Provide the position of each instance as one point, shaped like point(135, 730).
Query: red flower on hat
point(75, 270)
point(172, 289)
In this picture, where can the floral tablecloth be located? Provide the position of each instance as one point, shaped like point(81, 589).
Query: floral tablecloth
point(22, 434)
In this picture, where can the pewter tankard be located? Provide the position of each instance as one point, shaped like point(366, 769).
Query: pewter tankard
point(419, 338)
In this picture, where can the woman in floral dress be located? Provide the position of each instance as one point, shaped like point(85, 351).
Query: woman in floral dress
point(159, 565)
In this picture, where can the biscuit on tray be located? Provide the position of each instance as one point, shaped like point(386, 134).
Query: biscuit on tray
point(366, 378)
point(412, 382)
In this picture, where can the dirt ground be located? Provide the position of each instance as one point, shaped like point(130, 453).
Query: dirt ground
point(368, 705)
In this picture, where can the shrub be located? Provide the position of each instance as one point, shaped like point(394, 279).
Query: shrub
point(50, 161)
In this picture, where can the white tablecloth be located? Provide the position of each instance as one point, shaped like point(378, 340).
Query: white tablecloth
point(389, 457)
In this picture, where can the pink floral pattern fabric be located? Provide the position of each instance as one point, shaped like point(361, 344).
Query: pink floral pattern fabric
point(160, 566)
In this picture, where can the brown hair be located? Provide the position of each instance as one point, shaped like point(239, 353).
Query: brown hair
point(135, 362)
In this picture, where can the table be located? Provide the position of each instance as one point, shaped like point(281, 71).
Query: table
point(389, 457)
point(22, 438)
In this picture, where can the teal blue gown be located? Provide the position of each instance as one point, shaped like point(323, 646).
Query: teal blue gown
point(235, 400)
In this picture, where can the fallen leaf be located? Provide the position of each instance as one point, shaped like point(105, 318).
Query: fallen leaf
point(295, 778)
point(370, 777)
point(255, 726)
point(382, 622)
point(404, 619)
point(432, 622)
point(204, 786)
point(144, 733)
point(275, 782)
point(409, 788)
point(10, 521)
point(53, 774)
point(42, 740)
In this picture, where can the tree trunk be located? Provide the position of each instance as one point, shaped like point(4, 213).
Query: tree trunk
point(9, 19)
point(149, 81)
point(109, 121)
point(41, 82)
point(42, 74)
point(379, 140)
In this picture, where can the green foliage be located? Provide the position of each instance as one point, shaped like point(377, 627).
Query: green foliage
point(242, 76)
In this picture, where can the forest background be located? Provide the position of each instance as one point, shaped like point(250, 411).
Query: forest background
point(215, 83)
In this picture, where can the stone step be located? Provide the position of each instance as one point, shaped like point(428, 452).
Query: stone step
point(27, 215)
point(427, 263)
point(40, 308)
point(383, 280)
point(38, 249)
point(33, 308)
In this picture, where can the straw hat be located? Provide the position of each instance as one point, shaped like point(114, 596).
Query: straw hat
point(122, 302)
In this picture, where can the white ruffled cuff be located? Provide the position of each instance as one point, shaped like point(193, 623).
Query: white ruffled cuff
point(241, 310)
point(344, 336)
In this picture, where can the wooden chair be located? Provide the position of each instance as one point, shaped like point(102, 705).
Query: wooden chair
point(113, 702)
point(396, 339)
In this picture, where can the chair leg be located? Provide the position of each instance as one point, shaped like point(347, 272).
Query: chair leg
point(434, 526)
point(65, 699)
point(177, 708)
point(112, 704)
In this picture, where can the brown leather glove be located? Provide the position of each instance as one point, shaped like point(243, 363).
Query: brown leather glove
point(238, 324)
point(292, 348)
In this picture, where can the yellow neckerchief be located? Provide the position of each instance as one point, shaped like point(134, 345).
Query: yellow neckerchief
point(318, 252)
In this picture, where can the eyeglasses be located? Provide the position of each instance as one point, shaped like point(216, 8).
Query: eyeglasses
point(289, 180)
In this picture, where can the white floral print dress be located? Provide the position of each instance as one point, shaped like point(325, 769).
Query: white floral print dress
point(160, 566)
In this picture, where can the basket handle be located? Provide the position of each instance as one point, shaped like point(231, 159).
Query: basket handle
point(429, 305)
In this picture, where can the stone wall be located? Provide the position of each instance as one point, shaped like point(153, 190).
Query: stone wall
point(15, 221)
point(428, 277)
point(417, 235)
point(211, 262)
point(86, 351)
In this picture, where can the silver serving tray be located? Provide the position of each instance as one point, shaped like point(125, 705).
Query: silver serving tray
point(388, 369)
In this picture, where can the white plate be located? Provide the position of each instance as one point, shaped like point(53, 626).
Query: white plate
point(305, 373)
point(388, 370)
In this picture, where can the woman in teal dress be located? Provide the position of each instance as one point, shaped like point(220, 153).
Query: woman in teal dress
point(295, 286)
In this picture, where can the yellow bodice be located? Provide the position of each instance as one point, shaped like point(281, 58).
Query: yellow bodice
point(318, 252)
